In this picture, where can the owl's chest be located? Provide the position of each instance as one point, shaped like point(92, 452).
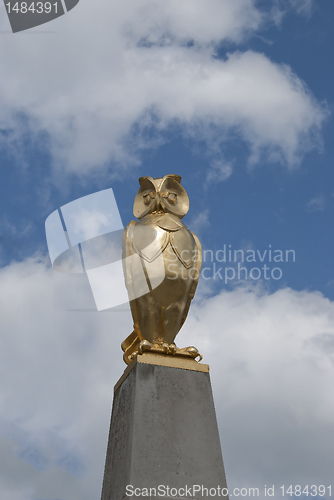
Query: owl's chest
point(174, 244)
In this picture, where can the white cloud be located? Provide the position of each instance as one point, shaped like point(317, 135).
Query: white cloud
point(88, 222)
point(203, 22)
point(316, 204)
point(303, 6)
point(200, 221)
point(58, 369)
point(9, 229)
point(113, 80)
point(271, 360)
point(219, 171)
point(6, 227)
point(280, 8)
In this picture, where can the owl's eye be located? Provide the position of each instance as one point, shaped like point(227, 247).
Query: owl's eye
point(148, 197)
point(172, 197)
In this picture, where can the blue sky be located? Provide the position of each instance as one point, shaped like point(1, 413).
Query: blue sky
point(237, 98)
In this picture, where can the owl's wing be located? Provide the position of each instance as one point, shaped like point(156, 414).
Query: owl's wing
point(197, 265)
point(127, 251)
point(130, 344)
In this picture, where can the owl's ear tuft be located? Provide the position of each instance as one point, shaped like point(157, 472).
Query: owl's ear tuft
point(177, 178)
point(142, 180)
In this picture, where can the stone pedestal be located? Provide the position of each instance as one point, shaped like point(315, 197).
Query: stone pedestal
point(163, 433)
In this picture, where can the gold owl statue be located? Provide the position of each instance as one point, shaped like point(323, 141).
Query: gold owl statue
point(161, 263)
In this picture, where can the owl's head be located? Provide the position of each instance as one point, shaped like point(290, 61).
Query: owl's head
point(161, 195)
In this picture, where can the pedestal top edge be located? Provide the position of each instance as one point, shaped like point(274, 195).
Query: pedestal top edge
point(162, 360)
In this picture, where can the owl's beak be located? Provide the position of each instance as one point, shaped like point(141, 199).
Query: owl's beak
point(158, 207)
point(158, 202)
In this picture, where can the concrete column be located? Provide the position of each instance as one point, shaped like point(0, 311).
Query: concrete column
point(163, 433)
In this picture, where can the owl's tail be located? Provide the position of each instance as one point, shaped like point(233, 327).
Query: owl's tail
point(130, 345)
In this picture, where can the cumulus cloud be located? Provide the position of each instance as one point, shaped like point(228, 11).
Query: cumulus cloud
point(56, 383)
point(198, 21)
point(271, 359)
point(117, 79)
point(272, 362)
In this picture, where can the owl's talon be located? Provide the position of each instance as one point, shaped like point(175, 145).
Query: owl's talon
point(171, 348)
point(144, 345)
point(165, 347)
point(132, 355)
point(194, 352)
